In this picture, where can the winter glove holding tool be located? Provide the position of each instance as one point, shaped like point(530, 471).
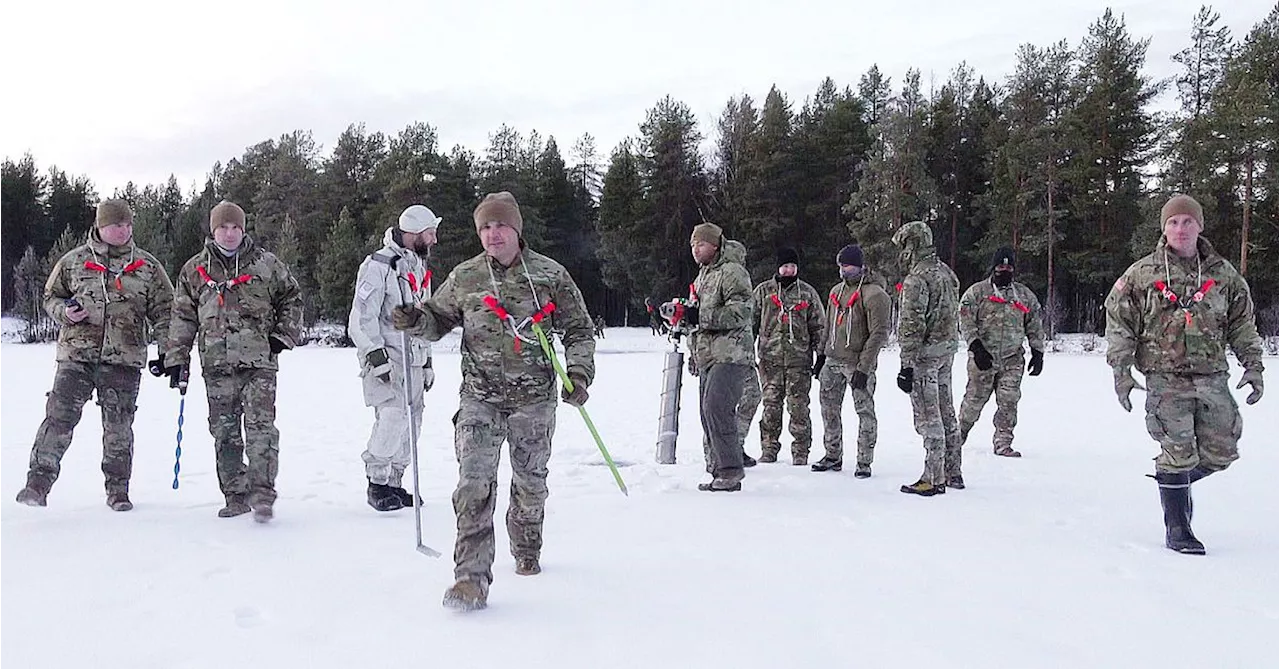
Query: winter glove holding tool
point(277, 345)
point(1037, 363)
point(1125, 383)
point(906, 378)
point(859, 380)
point(1253, 377)
point(178, 376)
point(428, 378)
point(405, 317)
point(817, 365)
point(578, 397)
point(156, 367)
point(981, 357)
point(379, 364)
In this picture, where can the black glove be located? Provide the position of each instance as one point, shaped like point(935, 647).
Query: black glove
point(156, 367)
point(277, 345)
point(817, 366)
point(579, 395)
point(1037, 362)
point(981, 358)
point(405, 317)
point(178, 376)
point(906, 378)
point(859, 381)
point(691, 315)
point(379, 364)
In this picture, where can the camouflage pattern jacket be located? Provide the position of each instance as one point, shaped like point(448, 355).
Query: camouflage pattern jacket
point(1210, 309)
point(502, 361)
point(232, 306)
point(1001, 318)
point(123, 288)
point(792, 323)
point(927, 325)
point(858, 322)
point(723, 292)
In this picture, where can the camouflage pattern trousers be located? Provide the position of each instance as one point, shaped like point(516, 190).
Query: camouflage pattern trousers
point(1195, 419)
point(480, 428)
point(242, 420)
point(73, 385)
point(934, 412)
point(836, 375)
point(1005, 380)
point(790, 385)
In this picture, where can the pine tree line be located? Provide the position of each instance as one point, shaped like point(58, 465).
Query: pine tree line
point(1063, 160)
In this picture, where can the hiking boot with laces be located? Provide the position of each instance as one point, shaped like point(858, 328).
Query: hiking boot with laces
point(119, 501)
point(924, 489)
point(528, 566)
point(466, 595)
point(33, 497)
point(827, 464)
point(236, 506)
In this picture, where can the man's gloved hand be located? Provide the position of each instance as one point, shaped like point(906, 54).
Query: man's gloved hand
point(277, 345)
point(859, 381)
point(379, 364)
point(428, 378)
point(817, 365)
point(1037, 363)
point(1253, 377)
point(178, 375)
point(156, 367)
point(981, 357)
point(693, 367)
point(405, 316)
point(579, 395)
point(73, 311)
point(1125, 383)
point(906, 378)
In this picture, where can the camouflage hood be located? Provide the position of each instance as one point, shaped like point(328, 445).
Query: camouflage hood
point(914, 241)
point(732, 251)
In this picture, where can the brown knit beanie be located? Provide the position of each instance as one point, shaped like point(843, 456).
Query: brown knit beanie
point(707, 232)
point(1182, 204)
point(226, 212)
point(111, 212)
point(499, 207)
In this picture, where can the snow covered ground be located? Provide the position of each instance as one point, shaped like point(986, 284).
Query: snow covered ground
point(1053, 560)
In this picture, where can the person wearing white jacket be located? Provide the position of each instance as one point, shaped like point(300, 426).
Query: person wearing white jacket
point(394, 275)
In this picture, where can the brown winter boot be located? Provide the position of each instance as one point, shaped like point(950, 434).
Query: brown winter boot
point(466, 595)
point(119, 501)
point(528, 566)
point(924, 489)
point(33, 497)
point(236, 506)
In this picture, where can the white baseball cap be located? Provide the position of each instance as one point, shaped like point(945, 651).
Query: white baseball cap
point(418, 218)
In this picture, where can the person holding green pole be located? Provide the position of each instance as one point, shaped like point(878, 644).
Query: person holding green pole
point(508, 391)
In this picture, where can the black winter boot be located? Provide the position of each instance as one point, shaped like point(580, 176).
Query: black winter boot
point(1175, 498)
point(383, 497)
point(406, 497)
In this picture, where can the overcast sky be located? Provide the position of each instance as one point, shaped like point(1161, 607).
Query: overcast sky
point(138, 89)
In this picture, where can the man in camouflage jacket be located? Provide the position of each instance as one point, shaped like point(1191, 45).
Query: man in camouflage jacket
point(996, 315)
point(103, 294)
point(927, 336)
point(789, 314)
point(1172, 316)
point(857, 328)
point(241, 306)
point(508, 389)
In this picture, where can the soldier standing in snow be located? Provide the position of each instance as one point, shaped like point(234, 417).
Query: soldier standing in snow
point(791, 323)
point(243, 307)
point(1171, 316)
point(720, 347)
point(508, 386)
point(927, 336)
point(996, 315)
point(858, 328)
point(103, 294)
point(394, 275)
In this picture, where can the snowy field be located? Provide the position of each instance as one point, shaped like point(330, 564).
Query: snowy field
point(1053, 560)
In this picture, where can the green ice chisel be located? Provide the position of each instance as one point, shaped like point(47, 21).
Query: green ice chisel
point(564, 378)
